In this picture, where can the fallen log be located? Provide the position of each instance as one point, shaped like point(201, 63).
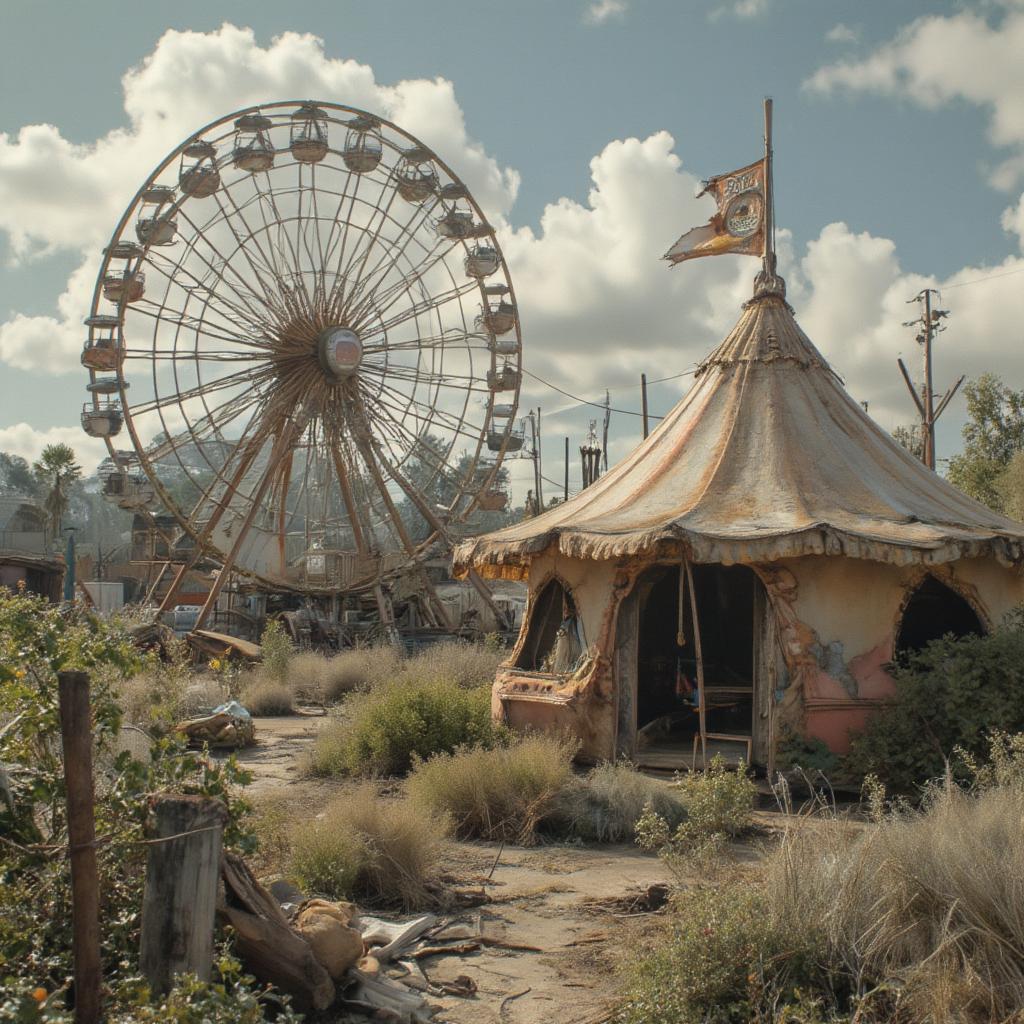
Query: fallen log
point(266, 943)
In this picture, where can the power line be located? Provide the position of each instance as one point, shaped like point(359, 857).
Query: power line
point(979, 280)
point(601, 405)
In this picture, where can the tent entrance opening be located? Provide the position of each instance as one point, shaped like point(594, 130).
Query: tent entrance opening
point(731, 608)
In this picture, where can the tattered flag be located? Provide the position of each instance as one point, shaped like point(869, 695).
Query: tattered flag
point(737, 226)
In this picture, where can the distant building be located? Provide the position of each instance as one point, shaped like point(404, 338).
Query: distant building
point(27, 552)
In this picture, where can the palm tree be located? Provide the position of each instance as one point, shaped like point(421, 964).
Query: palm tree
point(57, 470)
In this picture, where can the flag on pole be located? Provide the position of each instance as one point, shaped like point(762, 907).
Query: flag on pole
point(738, 225)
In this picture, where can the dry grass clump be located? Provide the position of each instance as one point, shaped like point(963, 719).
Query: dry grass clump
point(605, 805)
point(933, 898)
point(453, 661)
point(384, 730)
point(330, 678)
point(371, 850)
point(504, 793)
point(263, 697)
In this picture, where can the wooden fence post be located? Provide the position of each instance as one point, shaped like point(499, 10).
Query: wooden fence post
point(76, 741)
point(181, 888)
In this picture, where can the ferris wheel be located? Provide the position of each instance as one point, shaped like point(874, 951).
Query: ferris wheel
point(304, 324)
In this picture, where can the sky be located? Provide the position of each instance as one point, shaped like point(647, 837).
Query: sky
point(584, 127)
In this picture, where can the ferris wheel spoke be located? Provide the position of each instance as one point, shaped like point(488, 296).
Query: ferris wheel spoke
point(450, 422)
point(239, 378)
point(305, 304)
point(373, 233)
point(415, 374)
point(228, 274)
point(188, 356)
point(367, 294)
point(190, 322)
point(242, 316)
point(248, 244)
point(410, 272)
point(417, 308)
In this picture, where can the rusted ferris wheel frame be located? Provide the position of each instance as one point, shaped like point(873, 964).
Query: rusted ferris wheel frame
point(368, 446)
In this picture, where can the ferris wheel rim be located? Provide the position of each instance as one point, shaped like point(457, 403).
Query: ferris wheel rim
point(187, 522)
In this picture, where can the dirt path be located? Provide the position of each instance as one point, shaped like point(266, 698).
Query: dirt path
point(567, 901)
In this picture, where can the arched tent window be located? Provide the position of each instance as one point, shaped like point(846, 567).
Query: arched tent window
point(933, 611)
point(554, 639)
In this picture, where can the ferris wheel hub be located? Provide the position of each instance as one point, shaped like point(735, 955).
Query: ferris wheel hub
point(340, 351)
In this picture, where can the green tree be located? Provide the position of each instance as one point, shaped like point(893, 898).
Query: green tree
point(993, 434)
point(911, 438)
point(57, 470)
point(16, 475)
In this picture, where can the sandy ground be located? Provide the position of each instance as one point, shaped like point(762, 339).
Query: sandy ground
point(571, 903)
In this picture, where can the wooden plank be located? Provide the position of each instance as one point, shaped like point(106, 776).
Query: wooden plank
point(76, 740)
point(180, 899)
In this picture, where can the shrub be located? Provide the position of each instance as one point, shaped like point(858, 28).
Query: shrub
point(264, 696)
point(385, 729)
point(925, 904)
point(36, 641)
point(466, 665)
point(360, 669)
point(277, 652)
point(952, 694)
point(605, 805)
point(369, 849)
point(718, 804)
point(502, 793)
point(722, 958)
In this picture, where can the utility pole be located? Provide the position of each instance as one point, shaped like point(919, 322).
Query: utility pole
point(929, 324)
point(643, 401)
point(540, 467)
point(607, 421)
point(566, 495)
point(590, 456)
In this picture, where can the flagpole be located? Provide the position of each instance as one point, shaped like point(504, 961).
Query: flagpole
point(769, 192)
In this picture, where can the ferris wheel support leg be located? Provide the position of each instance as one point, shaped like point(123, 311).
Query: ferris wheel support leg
point(281, 447)
point(435, 524)
point(439, 610)
point(384, 607)
point(220, 508)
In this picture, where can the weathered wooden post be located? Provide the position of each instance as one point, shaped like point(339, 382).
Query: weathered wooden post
point(181, 888)
point(76, 741)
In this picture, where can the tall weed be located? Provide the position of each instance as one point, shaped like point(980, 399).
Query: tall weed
point(384, 730)
point(368, 849)
point(504, 793)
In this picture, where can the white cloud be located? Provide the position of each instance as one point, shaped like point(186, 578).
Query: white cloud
point(842, 34)
point(740, 9)
point(600, 11)
point(60, 196)
point(938, 59)
point(28, 442)
point(598, 306)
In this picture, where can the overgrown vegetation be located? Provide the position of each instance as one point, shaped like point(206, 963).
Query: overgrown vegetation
point(384, 730)
point(605, 804)
point(504, 792)
point(369, 849)
point(993, 435)
point(954, 694)
point(718, 805)
point(913, 917)
point(36, 641)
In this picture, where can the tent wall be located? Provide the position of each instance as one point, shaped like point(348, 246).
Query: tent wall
point(829, 640)
point(838, 620)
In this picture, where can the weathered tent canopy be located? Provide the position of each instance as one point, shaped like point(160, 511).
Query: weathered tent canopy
point(766, 457)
